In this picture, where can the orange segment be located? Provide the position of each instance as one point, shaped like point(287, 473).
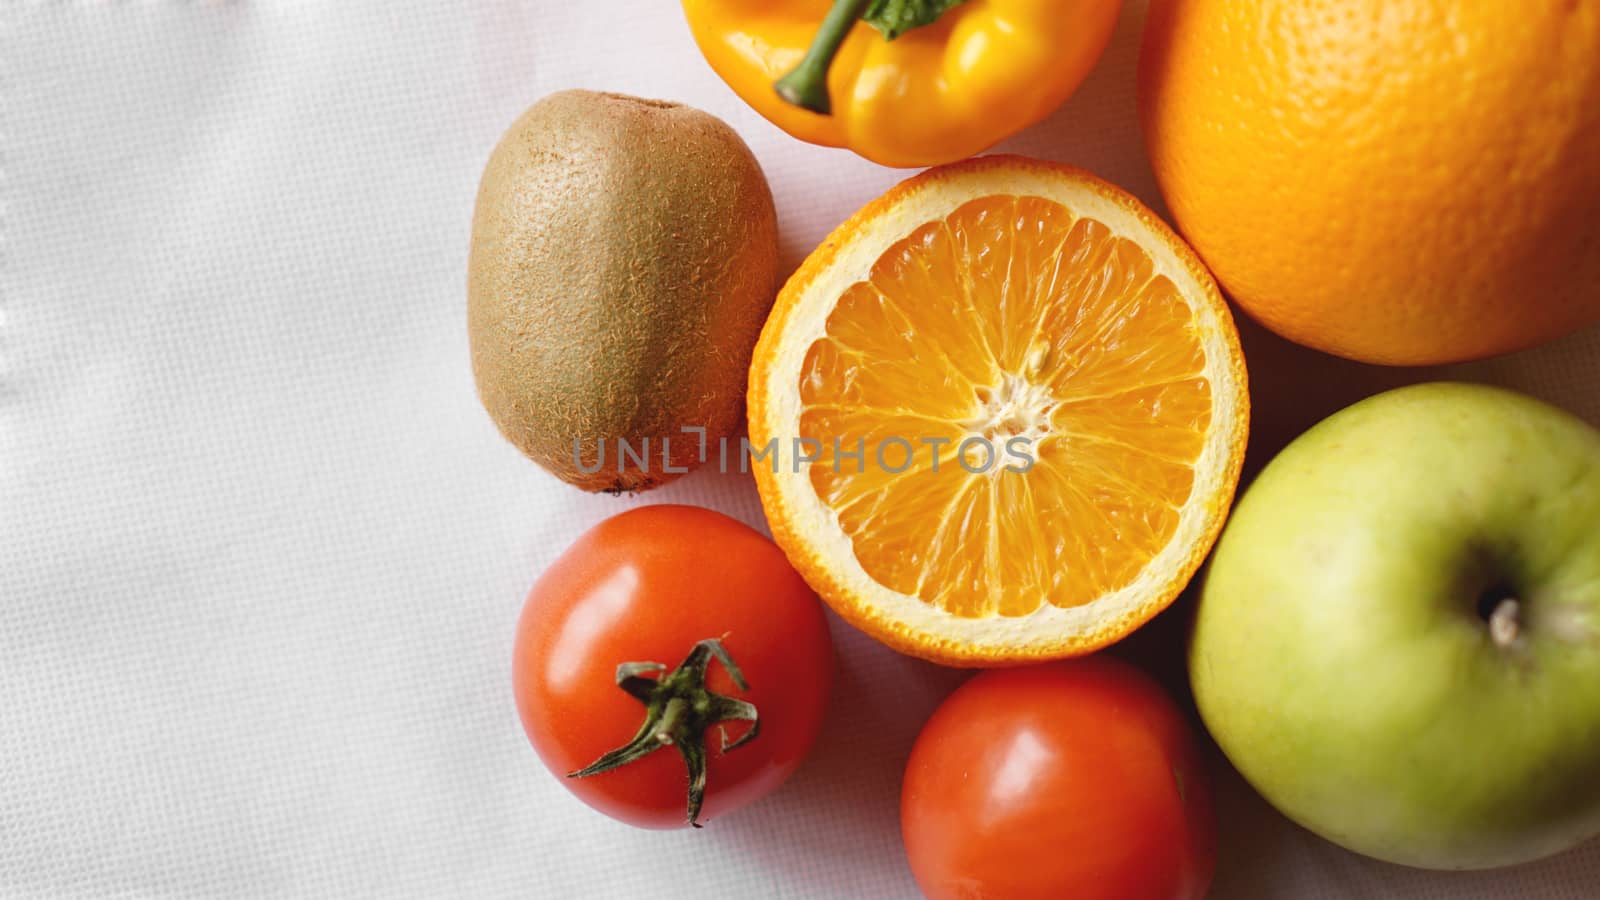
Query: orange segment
point(955, 329)
point(1030, 405)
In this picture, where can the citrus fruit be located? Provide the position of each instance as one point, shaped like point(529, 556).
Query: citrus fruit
point(1400, 182)
point(998, 414)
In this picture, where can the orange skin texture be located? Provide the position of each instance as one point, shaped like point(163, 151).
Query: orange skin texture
point(1060, 780)
point(982, 72)
point(644, 586)
point(1400, 183)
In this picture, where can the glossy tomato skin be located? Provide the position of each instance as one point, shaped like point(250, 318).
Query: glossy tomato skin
point(645, 586)
point(1077, 780)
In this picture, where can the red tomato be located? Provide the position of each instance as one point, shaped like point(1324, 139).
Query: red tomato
point(665, 593)
point(1077, 779)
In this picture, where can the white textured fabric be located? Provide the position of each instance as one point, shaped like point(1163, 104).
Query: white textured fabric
point(260, 550)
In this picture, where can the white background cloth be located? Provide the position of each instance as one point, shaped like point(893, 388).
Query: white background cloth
point(261, 552)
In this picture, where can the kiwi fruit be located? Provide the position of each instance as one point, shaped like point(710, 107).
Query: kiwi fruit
point(624, 257)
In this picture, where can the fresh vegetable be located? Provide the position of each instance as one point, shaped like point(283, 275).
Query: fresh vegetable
point(624, 255)
point(1394, 181)
point(1026, 412)
point(1398, 643)
point(671, 667)
point(903, 82)
point(1070, 780)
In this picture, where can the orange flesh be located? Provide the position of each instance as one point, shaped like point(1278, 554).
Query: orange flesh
point(1010, 318)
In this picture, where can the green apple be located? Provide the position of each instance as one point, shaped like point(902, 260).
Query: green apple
point(1398, 641)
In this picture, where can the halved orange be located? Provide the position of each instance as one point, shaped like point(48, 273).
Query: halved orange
point(1022, 314)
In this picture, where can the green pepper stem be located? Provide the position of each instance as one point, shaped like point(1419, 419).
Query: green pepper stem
point(807, 85)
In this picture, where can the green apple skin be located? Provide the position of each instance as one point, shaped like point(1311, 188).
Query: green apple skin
point(1339, 656)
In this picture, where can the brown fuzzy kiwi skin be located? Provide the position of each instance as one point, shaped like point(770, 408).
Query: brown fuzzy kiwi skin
point(624, 258)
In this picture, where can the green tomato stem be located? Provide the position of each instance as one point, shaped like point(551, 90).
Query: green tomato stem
point(807, 85)
point(678, 710)
point(666, 731)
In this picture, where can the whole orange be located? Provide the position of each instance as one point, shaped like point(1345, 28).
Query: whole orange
point(1395, 181)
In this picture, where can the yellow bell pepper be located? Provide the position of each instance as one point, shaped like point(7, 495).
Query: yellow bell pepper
point(960, 78)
